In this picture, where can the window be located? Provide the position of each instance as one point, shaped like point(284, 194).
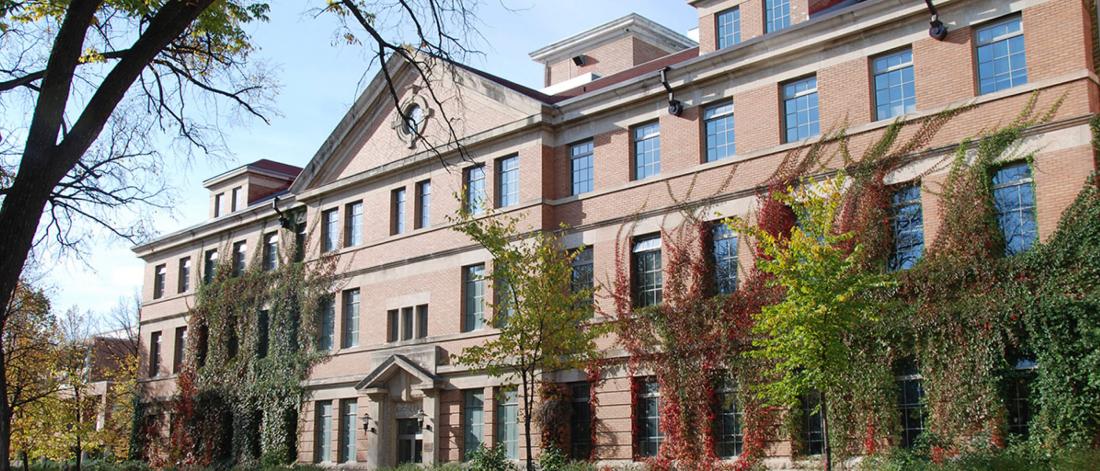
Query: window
point(154, 354)
point(813, 439)
point(895, 93)
point(473, 297)
point(473, 420)
point(350, 321)
point(397, 211)
point(219, 205)
point(1001, 60)
point(160, 274)
point(237, 202)
point(353, 224)
point(323, 432)
point(647, 278)
point(328, 325)
point(718, 126)
point(414, 115)
point(330, 230)
point(406, 323)
point(777, 15)
point(240, 251)
point(508, 422)
point(1014, 200)
point(475, 190)
point(727, 421)
point(725, 258)
point(907, 225)
point(507, 181)
point(271, 251)
point(210, 267)
point(582, 272)
point(263, 328)
point(183, 284)
point(300, 242)
point(648, 415)
point(580, 421)
point(393, 324)
point(580, 164)
point(503, 307)
point(179, 349)
point(728, 27)
point(349, 409)
point(423, 204)
point(421, 321)
point(800, 109)
point(1018, 397)
point(910, 404)
point(647, 150)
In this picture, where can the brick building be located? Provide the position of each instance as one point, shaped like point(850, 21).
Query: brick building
point(598, 147)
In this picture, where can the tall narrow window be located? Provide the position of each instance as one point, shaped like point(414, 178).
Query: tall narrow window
point(508, 422)
point(240, 257)
point(648, 416)
point(907, 225)
point(323, 432)
point(503, 305)
point(718, 124)
point(210, 266)
point(350, 321)
point(179, 349)
point(727, 421)
point(330, 230)
point(238, 200)
point(271, 251)
point(647, 277)
point(580, 421)
point(392, 325)
point(895, 93)
point(813, 438)
point(1017, 390)
point(800, 109)
point(421, 321)
point(473, 297)
point(474, 200)
point(328, 325)
point(219, 204)
point(406, 323)
point(397, 213)
point(353, 224)
point(300, 242)
point(423, 204)
point(507, 181)
point(183, 283)
point(263, 333)
point(728, 25)
point(160, 276)
point(1001, 60)
point(154, 354)
point(910, 395)
point(581, 167)
point(1014, 200)
point(725, 258)
point(777, 15)
point(349, 409)
point(583, 274)
point(473, 420)
point(647, 150)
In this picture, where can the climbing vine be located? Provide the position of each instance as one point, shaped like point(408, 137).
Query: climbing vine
point(253, 341)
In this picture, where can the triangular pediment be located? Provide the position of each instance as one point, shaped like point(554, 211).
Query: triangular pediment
point(393, 366)
point(371, 133)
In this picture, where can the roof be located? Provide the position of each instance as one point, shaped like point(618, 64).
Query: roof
point(263, 166)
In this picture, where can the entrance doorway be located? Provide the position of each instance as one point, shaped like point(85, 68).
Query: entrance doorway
point(410, 441)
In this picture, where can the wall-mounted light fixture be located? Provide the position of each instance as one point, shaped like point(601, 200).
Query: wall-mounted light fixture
point(420, 416)
point(936, 29)
point(674, 105)
point(366, 423)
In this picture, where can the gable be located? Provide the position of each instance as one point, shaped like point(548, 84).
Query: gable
point(370, 135)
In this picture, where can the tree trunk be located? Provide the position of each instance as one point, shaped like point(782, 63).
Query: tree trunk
point(26, 461)
point(825, 434)
point(5, 417)
point(527, 402)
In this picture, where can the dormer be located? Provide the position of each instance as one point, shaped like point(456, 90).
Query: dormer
point(239, 188)
point(606, 49)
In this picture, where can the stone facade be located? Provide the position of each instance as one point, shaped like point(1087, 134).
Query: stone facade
point(366, 160)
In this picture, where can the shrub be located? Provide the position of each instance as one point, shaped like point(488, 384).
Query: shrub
point(489, 459)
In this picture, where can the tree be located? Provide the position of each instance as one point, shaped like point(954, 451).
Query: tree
point(29, 342)
point(804, 335)
point(547, 327)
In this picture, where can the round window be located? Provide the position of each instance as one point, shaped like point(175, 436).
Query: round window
point(414, 116)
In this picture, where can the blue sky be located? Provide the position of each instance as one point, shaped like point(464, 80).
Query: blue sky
point(319, 78)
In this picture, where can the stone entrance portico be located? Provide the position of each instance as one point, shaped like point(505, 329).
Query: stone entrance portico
point(403, 409)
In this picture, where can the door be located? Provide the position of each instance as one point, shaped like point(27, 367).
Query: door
point(410, 441)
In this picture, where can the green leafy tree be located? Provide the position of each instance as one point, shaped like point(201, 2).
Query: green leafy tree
point(547, 327)
point(803, 336)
